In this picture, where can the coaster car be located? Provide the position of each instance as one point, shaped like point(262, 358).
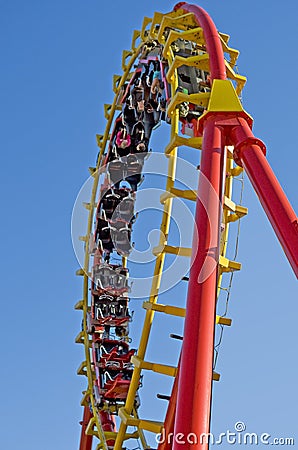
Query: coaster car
point(112, 354)
point(116, 169)
point(109, 310)
point(109, 278)
point(117, 202)
point(121, 237)
point(114, 385)
point(102, 235)
point(125, 209)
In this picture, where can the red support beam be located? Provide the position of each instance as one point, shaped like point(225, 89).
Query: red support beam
point(86, 440)
point(195, 376)
point(250, 153)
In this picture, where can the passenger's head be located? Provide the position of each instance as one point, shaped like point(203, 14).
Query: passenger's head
point(124, 143)
point(141, 147)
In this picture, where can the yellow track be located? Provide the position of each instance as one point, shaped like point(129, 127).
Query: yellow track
point(164, 28)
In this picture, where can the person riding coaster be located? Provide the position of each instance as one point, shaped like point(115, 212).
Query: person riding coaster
point(110, 278)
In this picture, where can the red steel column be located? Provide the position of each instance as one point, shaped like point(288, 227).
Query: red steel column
point(86, 440)
point(195, 377)
point(250, 154)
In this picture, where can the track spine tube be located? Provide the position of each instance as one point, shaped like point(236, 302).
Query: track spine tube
point(108, 425)
point(213, 43)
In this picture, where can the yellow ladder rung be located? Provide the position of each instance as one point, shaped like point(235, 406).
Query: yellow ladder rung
point(82, 370)
point(234, 53)
point(199, 61)
point(167, 309)
point(195, 35)
point(178, 21)
point(79, 305)
point(238, 215)
point(229, 204)
point(116, 83)
point(125, 55)
point(80, 338)
point(227, 265)
point(135, 36)
point(186, 194)
point(215, 376)
point(225, 37)
point(240, 79)
point(180, 251)
point(149, 425)
point(236, 171)
point(92, 171)
point(86, 396)
point(80, 272)
point(146, 22)
point(223, 321)
point(158, 368)
point(91, 428)
point(87, 205)
point(201, 99)
point(178, 141)
point(113, 434)
point(238, 210)
point(180, 312)
point(156, 20)
point(107, 110)
point(99, 139)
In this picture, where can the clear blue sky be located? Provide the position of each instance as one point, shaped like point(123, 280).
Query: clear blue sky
point(58, 59)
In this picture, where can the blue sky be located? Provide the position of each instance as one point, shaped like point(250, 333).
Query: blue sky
point(58, 59)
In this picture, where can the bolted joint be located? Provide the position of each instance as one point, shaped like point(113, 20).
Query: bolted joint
point(243, 139)
point(247, 142)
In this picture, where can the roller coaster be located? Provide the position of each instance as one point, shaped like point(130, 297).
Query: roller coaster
point(179, 73)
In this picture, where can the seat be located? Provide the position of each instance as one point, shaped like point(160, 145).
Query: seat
point(116, 170)
point(117, 388)
point(109, 203)
point(125, 209)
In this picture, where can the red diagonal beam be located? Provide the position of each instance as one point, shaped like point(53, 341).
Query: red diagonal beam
point(250, 153)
